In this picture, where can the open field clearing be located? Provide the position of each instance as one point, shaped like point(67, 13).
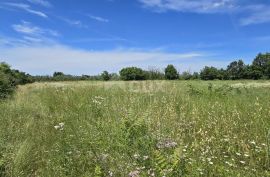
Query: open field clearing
point(147, 128)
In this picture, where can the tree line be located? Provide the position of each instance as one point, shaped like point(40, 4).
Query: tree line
point(236, 70)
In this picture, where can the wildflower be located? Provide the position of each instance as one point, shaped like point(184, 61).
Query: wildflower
point(110, 173)
point(136, 156)
point(246, 155)
point(166, 144)
point(145, 157)
point(253, 142)
point(134, 173)
point(211, 163)
point(242, 162)
point(60, 126)
point(228, 163)
point(57, 127)
point(239, 154)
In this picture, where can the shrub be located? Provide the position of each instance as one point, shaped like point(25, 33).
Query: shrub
point(9, 79)
point(7, 87)
point(132, 73)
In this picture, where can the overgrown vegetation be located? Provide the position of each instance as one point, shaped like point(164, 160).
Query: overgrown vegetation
point(9, 79)
point(147, 128)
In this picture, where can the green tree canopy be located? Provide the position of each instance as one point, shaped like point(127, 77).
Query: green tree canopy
point(132, 73)
point(171, 73)
point(209, 73)
point(105, 76)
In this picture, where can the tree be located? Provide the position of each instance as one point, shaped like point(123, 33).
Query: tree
point(186, 75)
point(105, 76)
point(209, 73)
point(260, 64)
point(236, 70)
point(57, 74)
point(267, 71)
point(154, 74)
point(171, 73)
point(195, 76)
point(132, 73)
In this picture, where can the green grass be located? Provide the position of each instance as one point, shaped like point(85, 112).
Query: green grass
point(213, 128)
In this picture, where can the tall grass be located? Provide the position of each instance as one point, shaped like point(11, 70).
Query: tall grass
point(149, 128)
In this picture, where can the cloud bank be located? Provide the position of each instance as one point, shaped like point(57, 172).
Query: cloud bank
point(46, 60)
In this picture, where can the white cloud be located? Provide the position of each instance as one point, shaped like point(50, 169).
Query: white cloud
point(97, 18)
point(46, 60)
point(198, 6)
point(248, 12)
point(26, 8)
point(29, 29)
point(41, 2)
point(258, 14)
point(72, 22)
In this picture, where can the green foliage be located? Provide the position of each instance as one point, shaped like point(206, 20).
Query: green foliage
point(9, 79)
point(7, 86)
point(261, 62)
point(171, 73)
point(236, 70)
point(187, 76)
point(58, 74)
point(98, 172)
point(105, 76)
point(209, 73)
point(154, 74)
point(132, 73)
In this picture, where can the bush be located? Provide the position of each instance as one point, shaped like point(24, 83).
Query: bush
point(171, 73)
point(132, 73)
point(7, 87)
point(9, 79)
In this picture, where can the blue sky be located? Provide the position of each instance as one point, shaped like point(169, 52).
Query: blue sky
point(87, 37)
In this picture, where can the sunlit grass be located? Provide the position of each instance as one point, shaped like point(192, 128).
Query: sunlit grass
point(157, 128)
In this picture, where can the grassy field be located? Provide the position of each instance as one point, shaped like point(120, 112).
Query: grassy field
point(149, 128)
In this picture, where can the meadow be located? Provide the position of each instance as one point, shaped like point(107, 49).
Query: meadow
point(143, 128)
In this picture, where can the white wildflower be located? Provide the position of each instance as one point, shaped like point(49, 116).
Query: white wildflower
point(246, 155)
point(134, 173)
point(166, 144)
point(136, 156)
point(57, 127)
point(239, 154)
point(60, 126)
point(253, 142)
point(145, 157)
point(242, 162)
